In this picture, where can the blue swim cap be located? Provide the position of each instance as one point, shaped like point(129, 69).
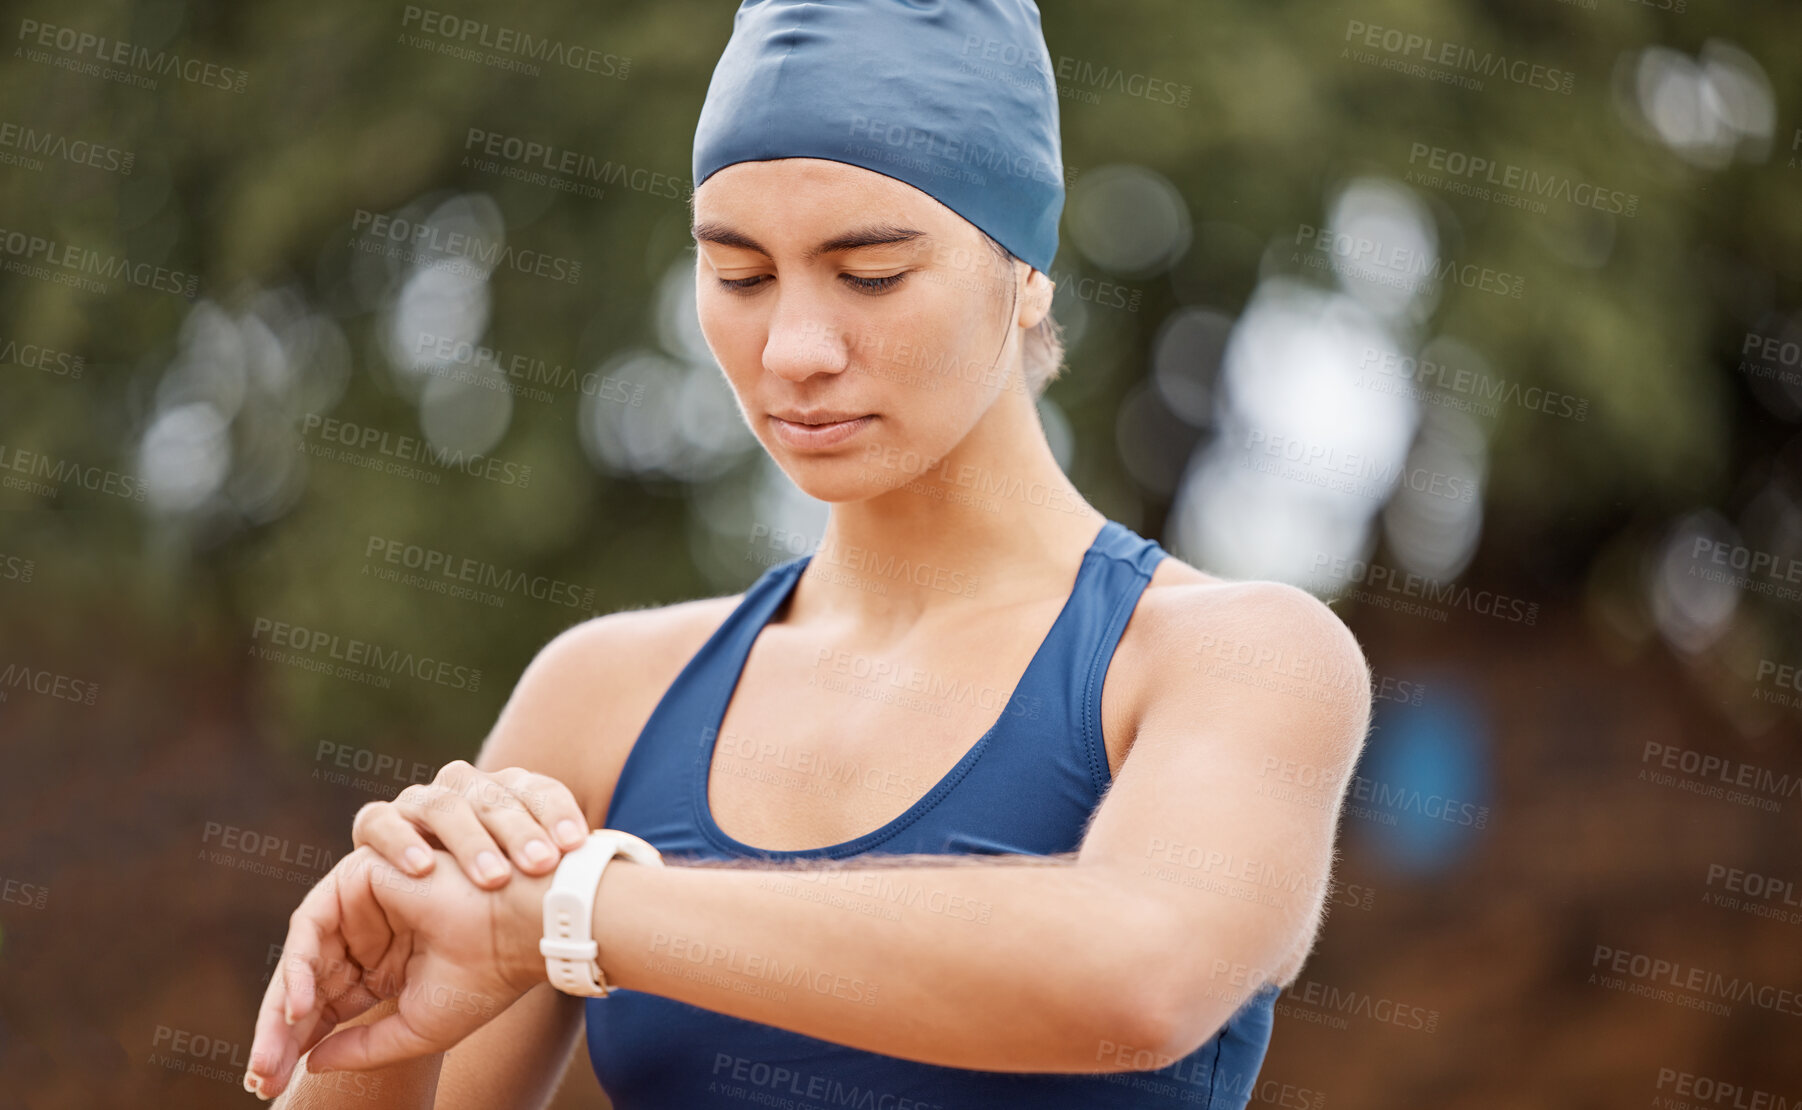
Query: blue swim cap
point(953, 97)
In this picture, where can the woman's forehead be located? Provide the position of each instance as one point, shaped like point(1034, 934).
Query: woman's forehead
point(816, 192)
point(814, 174)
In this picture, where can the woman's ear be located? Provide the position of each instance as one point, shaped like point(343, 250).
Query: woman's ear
point(1035, 304)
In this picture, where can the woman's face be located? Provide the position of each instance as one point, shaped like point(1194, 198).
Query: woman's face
point(858, 320)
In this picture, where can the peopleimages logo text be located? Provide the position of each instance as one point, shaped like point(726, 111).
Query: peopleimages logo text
point(43, 257)
point(328, 648)
point(424, 242)
point(364, 437)
point(1457, 58)
point(474, 33)
point(129, 56)
point(1410, 585)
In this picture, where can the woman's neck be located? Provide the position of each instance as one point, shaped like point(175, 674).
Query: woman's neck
point(995, 522)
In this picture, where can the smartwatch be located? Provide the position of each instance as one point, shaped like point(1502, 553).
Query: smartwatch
point(571, 956)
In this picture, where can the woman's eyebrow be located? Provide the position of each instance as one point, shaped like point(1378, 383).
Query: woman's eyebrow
point(875, 235)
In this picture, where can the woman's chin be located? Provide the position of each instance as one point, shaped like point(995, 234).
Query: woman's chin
point(840, 479)
point(835, 481)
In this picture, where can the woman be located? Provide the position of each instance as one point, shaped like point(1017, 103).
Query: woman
point(870, 900)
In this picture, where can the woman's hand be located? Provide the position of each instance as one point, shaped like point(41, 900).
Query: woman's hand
point(481, 819)
point(454, 955)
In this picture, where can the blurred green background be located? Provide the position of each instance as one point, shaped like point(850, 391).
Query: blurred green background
point(1482, 320)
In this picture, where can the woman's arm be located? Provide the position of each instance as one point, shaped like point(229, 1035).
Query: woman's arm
point(549, 726)
point(568, 728)
point(1200, 879)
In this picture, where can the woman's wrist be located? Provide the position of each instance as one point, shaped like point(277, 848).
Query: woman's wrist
point(628, 893)
point(520, 927)
point(522, 920)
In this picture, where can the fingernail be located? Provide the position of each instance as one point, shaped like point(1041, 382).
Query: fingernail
point(537, 851)
point(418, 859)
point(569, 832)
point(490, 866)
point(288, 1011)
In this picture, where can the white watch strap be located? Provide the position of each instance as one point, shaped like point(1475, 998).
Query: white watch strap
point(571, 957)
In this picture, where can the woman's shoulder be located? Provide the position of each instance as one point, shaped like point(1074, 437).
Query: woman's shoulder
point(583, 699)
point(1188, 619)
point(1185, 601)
point(635, 651)
point(645, 634)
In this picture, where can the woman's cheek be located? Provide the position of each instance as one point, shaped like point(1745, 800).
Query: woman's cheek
point(735, 345)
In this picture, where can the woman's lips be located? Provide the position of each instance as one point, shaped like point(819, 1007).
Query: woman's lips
point(818, 436)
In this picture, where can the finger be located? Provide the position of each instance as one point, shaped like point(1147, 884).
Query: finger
point(383, 1042)
point(362, 925)
point(279, 1046)
point(343, 909)
point(383, 827)
point(355, 1000)
point(507, 816)
point(551, 802)
point(317, 958)
point(294, 987)
point(308, 927)
point(276, 1045)
point(448, 815)
point(305, 1033)
point(264, 1076)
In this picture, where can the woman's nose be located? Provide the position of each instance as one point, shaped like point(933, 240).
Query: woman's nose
point(804, 340)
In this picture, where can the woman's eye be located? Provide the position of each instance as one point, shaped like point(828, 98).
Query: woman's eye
point(875, 285)
point(867, 285)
